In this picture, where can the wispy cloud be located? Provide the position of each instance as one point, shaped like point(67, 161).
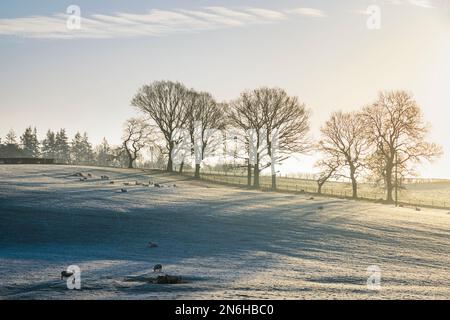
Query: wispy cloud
point(311, 12)
point(153, 23)
point(418, 3)
point(422, 3)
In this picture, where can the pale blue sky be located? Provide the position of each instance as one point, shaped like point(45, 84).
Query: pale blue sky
point(321, 51)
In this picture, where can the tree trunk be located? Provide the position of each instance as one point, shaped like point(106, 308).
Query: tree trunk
point(169, 165)
point(130, 159)
point(170, 161)
point(319, 187)
point(354, 184)
point(274, 181)
point(389, 184)
point(181, 167)
point(197, 170)
point(249, 174)
point(256, 176)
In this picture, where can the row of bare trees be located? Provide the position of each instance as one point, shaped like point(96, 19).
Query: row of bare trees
point(266, 126)
point(384, 139)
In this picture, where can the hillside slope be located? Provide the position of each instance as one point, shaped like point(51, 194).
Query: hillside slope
point(225, 242)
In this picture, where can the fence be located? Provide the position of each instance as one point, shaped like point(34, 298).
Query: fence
point(26, 161)
point(332, 189)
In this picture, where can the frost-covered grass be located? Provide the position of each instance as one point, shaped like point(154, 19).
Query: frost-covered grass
point(226, 242)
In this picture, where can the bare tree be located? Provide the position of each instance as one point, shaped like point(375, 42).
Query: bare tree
point(167, 103)
point(395, 127)
point(136, 136)
point(328, 167)
point(276, 126)
point(286, 125)
point(345, 143)
point(246, 115)
point(206, 117)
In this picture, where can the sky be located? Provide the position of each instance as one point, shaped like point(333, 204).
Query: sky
point(53, 75)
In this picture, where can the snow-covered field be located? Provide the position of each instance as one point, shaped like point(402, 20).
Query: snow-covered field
point(225, 242)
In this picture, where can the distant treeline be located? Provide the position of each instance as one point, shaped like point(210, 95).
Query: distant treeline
point(57, 146)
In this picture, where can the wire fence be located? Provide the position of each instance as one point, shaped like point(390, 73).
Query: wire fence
point(332, 189)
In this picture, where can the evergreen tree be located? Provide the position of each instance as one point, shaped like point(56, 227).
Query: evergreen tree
point(76, 149)
point(62, 148)
point(88, 152)
point(11, 137)
point(103, 153)
point(30, 143)
point(49, 145)
point(81, 150)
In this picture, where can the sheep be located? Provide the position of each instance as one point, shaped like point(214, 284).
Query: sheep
point(157, 268)
point(152, 245)
point(312, 198)
point(320, 208)
point(111, 182)
point(126, 183)
point(105, 177)
point(123, 190)
point(157, 185)
point(66, 274)
point(89, 175)
point(418, 209)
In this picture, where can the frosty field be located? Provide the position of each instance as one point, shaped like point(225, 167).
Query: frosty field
point(225, 242)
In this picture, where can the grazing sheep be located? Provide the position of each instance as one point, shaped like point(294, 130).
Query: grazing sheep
point(174, 185)
point(126, 183)
point(312, 198)
point(111, 182)
point(123, 190)
point(157, 268)
point(320, 208)
point(105, 177)
point(152, 245)
point(89, 175)
point(66, 274)
point(145, 185)
point(418, 209)
point(157, 185)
